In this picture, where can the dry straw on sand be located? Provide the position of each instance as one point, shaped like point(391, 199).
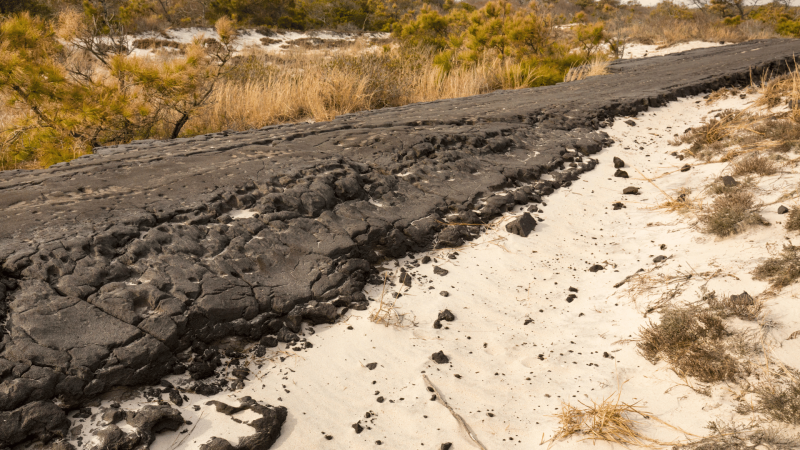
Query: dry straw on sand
point(611, 420)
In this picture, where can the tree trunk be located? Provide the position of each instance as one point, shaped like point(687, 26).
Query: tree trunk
point(179, 125)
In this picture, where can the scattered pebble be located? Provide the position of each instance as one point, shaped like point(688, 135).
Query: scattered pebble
point(440, 358)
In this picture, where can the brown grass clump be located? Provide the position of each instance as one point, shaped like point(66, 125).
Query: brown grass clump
point(780, 270)
point(730, 213)
point(598, 66)
point(680, 202)
point(793, 221)
point(667, 31)
point(611, 420)
point(779, 400)
point(755, 163)
point(743, 306)
point(741, 437)
point(268, 89)
point(690, 339)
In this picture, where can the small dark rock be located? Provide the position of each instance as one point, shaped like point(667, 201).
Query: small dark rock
point(155, 418)
point(596, 268)
point(743, 299)
point(521, 226)
point(446, 446)
point(240, 373)
point(447, 316)
point(528, 321)
point(287, 336)
point(174, 397)
point(357, 426)
point(269, 341)
point(380, 399)
point(444, 294)
point(207, 389)
point(631, 190)
point(372, 366)
point(113, 416)
point(425, 259)
point(618, 163)
point(783, 210)
point(217, 444)
point(439, 271)
point(659, 258)
point(630, 122)
point(618, 205)
point(685, 168)
point(405, 278)
point(571, 297)
point(572, 289)
point(440, 358)
point(729, 181)
point(201, 370)
point(437, 324)
point(621, 174)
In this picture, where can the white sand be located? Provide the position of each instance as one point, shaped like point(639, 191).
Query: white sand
point(521, 373)
point(644, 50)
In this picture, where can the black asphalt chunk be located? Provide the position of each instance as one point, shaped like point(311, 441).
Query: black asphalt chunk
point(522, 225)
point(114, 264)
point(440, 358)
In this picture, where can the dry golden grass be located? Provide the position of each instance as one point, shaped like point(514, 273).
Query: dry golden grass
point(735, 436)
point(730, 213)
point(793, 221)
point(610, 420)
point(782, 269)
point(598, 66)
point(388, 313)
point(755, 164)
point(320, 86)
point(665, 32)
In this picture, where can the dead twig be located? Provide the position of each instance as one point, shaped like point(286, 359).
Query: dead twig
point(458, 418)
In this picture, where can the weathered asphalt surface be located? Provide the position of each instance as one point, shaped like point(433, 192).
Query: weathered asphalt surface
point(115, 264)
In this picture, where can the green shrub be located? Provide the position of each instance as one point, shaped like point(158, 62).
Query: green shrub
point(91, 92)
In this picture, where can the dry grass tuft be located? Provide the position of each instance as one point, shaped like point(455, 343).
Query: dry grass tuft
point(743, 306)
point(793, 221)
point(269, 89)
point(388, 313)
point(598, 66)
point(779, 400)
point(667, 31)
point(782, 269)
point(741, 437)
point(690, 339)
point(611, 420)
point(755, 163)
point(730, 213)
point(680, 202)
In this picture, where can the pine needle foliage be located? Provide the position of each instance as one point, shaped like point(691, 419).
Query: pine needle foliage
point(90, 91)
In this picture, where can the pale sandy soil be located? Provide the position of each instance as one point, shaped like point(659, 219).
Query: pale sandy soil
point(252, 39)
point(644, 50)
point(517, 348)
